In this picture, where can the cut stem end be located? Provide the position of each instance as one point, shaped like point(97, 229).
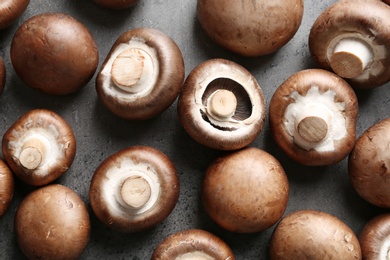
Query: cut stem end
point(222, 104)
point(135, 191)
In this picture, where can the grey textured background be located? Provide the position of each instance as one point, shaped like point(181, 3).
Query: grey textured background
point(100, 134)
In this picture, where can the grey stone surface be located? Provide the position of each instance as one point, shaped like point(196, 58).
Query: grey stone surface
point(100, 134)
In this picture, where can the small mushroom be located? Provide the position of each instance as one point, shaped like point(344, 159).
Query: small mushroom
point(11, 10)
point(52, 223)
point(245, 191)
point(142, 74)
point(3, 75)
point(352, 38)
point(116, 4)
point(369, 164)
point(250, 28)
point(6, 187)
point(39, 147)
point(192, 244)
point(311, 234)
point(313, 117)
point(54, 53)
point(221, 105)
point(134, 189)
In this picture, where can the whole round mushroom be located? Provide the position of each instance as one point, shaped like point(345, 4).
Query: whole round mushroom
point(313, 117)
point(3, 75)
point(250, 28)
point(352, 38)
point(39, 147)
point(116, 4)
point(142, 74)
point(221, 105)
point(134, 189)
point(311, 234)
point(192, 244)
point(369, 164)
point(245, 191)
point(11, 10)
point(60, 64)
point(52, 222)
point(6, 187)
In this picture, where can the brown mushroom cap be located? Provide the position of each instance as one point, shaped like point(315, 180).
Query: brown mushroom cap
point(250, 28)
point(310, 234)
point(116, 4)
point(215, 129)
point(321, 94)
point(157, 74)
point(52, 223)
point(195, 243)
point(364, 21)
point(39, 147)
point(368, 164)
point(60, 64)
point(245, 191)
point(3, 75)
point(10, 10)
point(119, 183)
point(6, 187)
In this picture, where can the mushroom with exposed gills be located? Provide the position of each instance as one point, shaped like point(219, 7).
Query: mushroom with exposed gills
point(192, 244)
point(313, 117)
point(116, 4)
point(52, 222)
point(221, 105)
point(352, 38)
point(142, 75)
point(39, 147)
point(3, 75)
point(134, 189)
point(11, 10)
point(6, 187)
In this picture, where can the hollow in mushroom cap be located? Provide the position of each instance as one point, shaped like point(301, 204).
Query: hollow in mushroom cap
point(10, 10)
point(116, 4)
point(3, 75)
point(313, 117)
point(39, 147)
point(6, 187)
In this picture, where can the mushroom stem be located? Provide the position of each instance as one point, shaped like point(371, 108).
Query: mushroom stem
point(222, 104)
point(32, 154)
point(350, 57)
point(135, 191)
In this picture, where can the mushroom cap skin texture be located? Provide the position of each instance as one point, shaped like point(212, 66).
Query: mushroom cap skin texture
point(158, 74)
point(131, 210)
point(52, 222)
point(3, 76)
point(11, 10)
point(39, 147)
point(323, 95)
point(368, 164)
point(6, 187)
point(225, 132)
point(245, 191)
point(60, 64)
point(310, 234)
point(116, 4)
point(262, 28)
point(362, 21)
point(196, 243)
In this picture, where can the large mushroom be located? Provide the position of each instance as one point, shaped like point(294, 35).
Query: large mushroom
point(3, 75)
point(52, 223)
point(313, 117)
point(369, 164)
point(11, 10)
point(116, 4)
point(250, 28)
point(192, 244)
point(142, 75)
point(39, 147)
point(221, 105)
point(54, 53)
point(134, 189)
point(6, 187)
point(352, 38)
point(245, 191)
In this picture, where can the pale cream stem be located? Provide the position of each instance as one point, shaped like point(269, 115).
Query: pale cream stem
point(222, 104)
point(135, 191)
point(32, 154)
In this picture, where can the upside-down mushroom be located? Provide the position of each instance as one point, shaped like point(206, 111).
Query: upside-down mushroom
point(116, 4)
point(6, 187)
point(39, 147)
point(3, 75)
point(11, 10)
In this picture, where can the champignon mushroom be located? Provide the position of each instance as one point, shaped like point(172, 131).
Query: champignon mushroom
point(11, 10)
point(142, 74)
point(352, 38)
point(313, 117)
point(134, 189)
point(6, 187)
point(245, 191)
point(54, 53)
point(116, 4)
point(311, 234)
point(39, 147)
point(52, 223)
point(221, 105)
point(192, 244)
point(250, 28)
point(3, 75)
point(369, 164)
